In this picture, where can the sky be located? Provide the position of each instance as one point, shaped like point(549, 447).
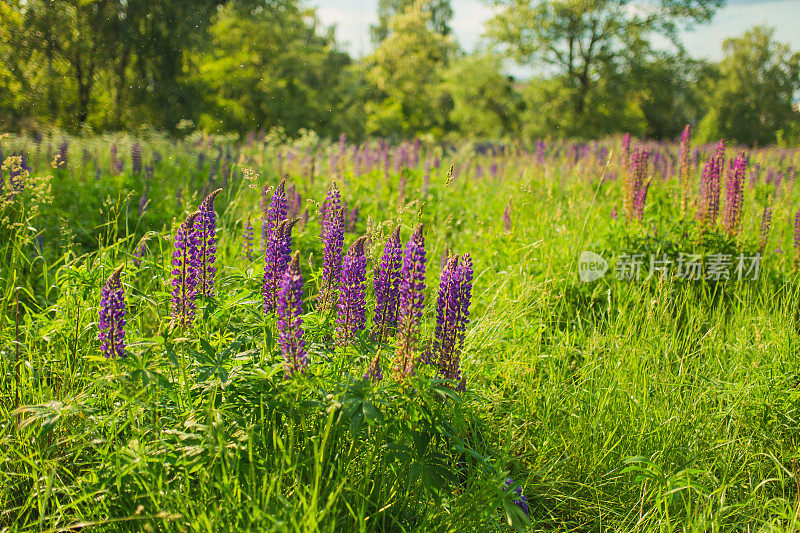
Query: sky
point(353, 18)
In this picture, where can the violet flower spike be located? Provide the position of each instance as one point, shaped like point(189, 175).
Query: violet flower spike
point(205, 226)
point(412, 303)
point(332, 258)
point(248, 235)
point(452, 316)
point(112, 316)
point(522, 501)
point(352, 306)
point(685, 162)
point(333, 202)
point(184, 283)
point(277, 257)
point(276, 212)
point(734, 196)
point(290, 323)
point(387, 288)
point(763, 234)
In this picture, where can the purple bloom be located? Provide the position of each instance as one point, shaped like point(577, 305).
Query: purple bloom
point(333, 241)
point(685, 162)
point(763, 234)
point(352, 304)
point(625, 153)
point(797, 239)
point(333, 202)
point(452, 316)
point(507, 218)
point(374, 372)
point(290, 323)
point(136, 159)
point(248, 237)
point(522, 501)
point(140, 251)
point(112, 317)
point(387, 287)
point(205, 227)
point(636, 185)
point(276, 259)
point(277, 212)
point(184, 283)
point(734, 196)
point(63, 150)
point(710, 187)
point(412, 300)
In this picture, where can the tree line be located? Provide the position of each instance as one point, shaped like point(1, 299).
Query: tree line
point(600, 67)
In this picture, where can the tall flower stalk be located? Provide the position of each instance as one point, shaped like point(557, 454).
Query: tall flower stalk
point(636, 185)
point(412, 302)
point(763, 234)
point(685, 162)
point(112, 316)
point(734, 196)
point(387, 288)
point(248, 235)
point(290, 322)
point(333, 240)
point(278, 208)
point(184, 271)
point(708, 210)
point(352, 306)
point(452, 316)
point(277, 257)
point(205, 225)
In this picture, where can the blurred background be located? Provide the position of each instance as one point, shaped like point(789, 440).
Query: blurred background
point(436, 69)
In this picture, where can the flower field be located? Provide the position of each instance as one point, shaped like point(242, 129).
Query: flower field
point(279, 334)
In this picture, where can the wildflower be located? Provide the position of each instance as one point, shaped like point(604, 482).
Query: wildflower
point(184, 283)
point(352, 304)
point(332, 258)
point(625, 153)
point(507, 218)
point(112, 316)
point(333, 202)
point(248, 235)
point(63, 150)
point(797, 239)
point(732, 218)
point(136, 159)
point(274, 214)
point(684, 170)
point(290, 323)
point(278, 254)
point(452, 316)
point(412, 296)
point(387, 287)
point(374, 372)
point(522, 501)
point(205, 227)
point(140, 250)
point(766, 222)
point(710, 187)
point(636, 186)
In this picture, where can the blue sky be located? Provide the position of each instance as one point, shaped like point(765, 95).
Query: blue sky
point(353, 18)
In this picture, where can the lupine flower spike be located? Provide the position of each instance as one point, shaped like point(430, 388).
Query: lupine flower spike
point(290, 323)
point(184, 282)
point(352, 306)
point(522, 501)
point(685, 160)
point(766, 221)
point(452, 316)
point(278, 254)
point(710, 187)
point(412, 296)
point(205, 226)
point(332, 258)
point(112, 316)
point(387, 288)
point(734, 196)
point(278, 207)
point(248, 235)
point(797, 240)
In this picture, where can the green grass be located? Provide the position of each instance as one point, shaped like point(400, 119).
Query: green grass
point(657, 405)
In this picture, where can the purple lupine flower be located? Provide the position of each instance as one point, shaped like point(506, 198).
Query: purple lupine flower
point(412, 301)
point(333, 202)
point(374, 372)
point(387, 288)
point(276, 259)
point(332, 258)
point(184, 283)
point(136, 159)
point(710, 187)
point(114, 164)
point(140, 251)
point(636, 185)
point(248, 236)
point(763, 234)
point(273, 216)
point(797, 239)
point(352, 220)
point(290, 323)
point(352, 307)
point(63, 150)
point(684, 169)
point(522, 501)
point(205, 227)
point(734, 196)
point(507, 218)
point(452, 316)
point(112, 317)
point(625, 152)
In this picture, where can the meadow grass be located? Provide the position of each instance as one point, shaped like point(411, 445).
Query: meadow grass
point(650, 405)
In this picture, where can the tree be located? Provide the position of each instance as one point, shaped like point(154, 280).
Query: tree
point(403, 73)
point(751, 98)
point(582, 43)
point(440, 15)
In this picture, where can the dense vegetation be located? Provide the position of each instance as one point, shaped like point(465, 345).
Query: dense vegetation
point(239, 65)
point(625, 403)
